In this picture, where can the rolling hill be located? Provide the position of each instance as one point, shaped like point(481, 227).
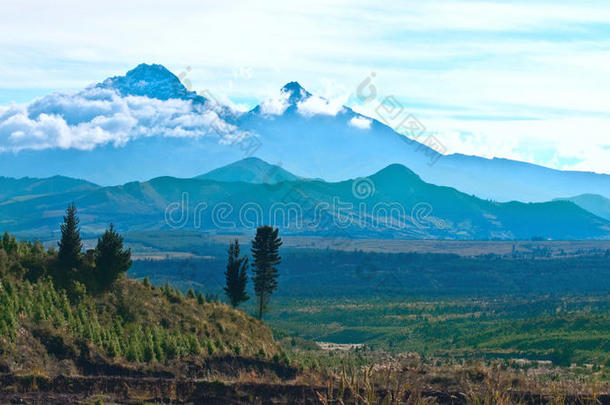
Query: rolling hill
point(593, 203)
point(392, 203)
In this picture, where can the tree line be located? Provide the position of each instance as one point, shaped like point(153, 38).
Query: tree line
point(95, 270)
point(68, 267)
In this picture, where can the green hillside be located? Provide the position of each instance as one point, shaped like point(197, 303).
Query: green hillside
point(398, 204)
point(133, 327)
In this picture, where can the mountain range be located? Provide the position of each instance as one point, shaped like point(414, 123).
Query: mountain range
point(391, 203)
point(146, 124)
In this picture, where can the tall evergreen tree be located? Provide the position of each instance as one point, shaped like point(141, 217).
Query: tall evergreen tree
point(70, 248)
point(265, 250)
point(111, 260)
point(236, 276)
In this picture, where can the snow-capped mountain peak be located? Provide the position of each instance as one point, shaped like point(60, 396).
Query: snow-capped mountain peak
point(295, 93)
point(153, 81)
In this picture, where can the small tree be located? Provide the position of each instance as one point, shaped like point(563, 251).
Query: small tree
point(70, 249)
point(8, 243)
point(111, 260)
point(236, 276)
point(265, 250)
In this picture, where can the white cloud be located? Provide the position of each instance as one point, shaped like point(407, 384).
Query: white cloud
point(275, 105)
point(360, 122)
point(557, 142)
point(236, 108)
point(315, 105)
point(95, 117)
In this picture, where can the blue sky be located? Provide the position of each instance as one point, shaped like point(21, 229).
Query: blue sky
point(524, 80)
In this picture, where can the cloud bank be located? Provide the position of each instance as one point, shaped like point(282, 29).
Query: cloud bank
point(306, 105)
point(95, 117)
point(315, 105)
point(275, 105)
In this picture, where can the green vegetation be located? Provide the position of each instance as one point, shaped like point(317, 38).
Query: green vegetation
point(236, 276)
point(26, 260)
point(70, 249)
point(69, 309)
point(111, 260)
point(69, 313)
point(131, 323)
point(69, 268)
point(563, 330)
point(489, 306)
point(484, 350)
point(265, 247)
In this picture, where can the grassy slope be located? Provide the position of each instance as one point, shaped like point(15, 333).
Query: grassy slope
point(133, 327)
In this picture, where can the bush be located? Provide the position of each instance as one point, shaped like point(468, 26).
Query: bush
point(563, 354)
point(76, 291)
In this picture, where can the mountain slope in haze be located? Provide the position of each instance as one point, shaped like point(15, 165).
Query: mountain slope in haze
point(30, 187)
point(328, 145)
point(309, 135)
point(250, 170)
point(593, 203)
point(392, 203)
point(506, 180)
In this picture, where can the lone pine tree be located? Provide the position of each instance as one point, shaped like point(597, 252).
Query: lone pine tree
point(111, 260)
point(265, 251)
point(70, 248)
point(236, 276)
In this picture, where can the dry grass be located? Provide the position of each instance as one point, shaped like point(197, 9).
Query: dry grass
point(408, 380)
